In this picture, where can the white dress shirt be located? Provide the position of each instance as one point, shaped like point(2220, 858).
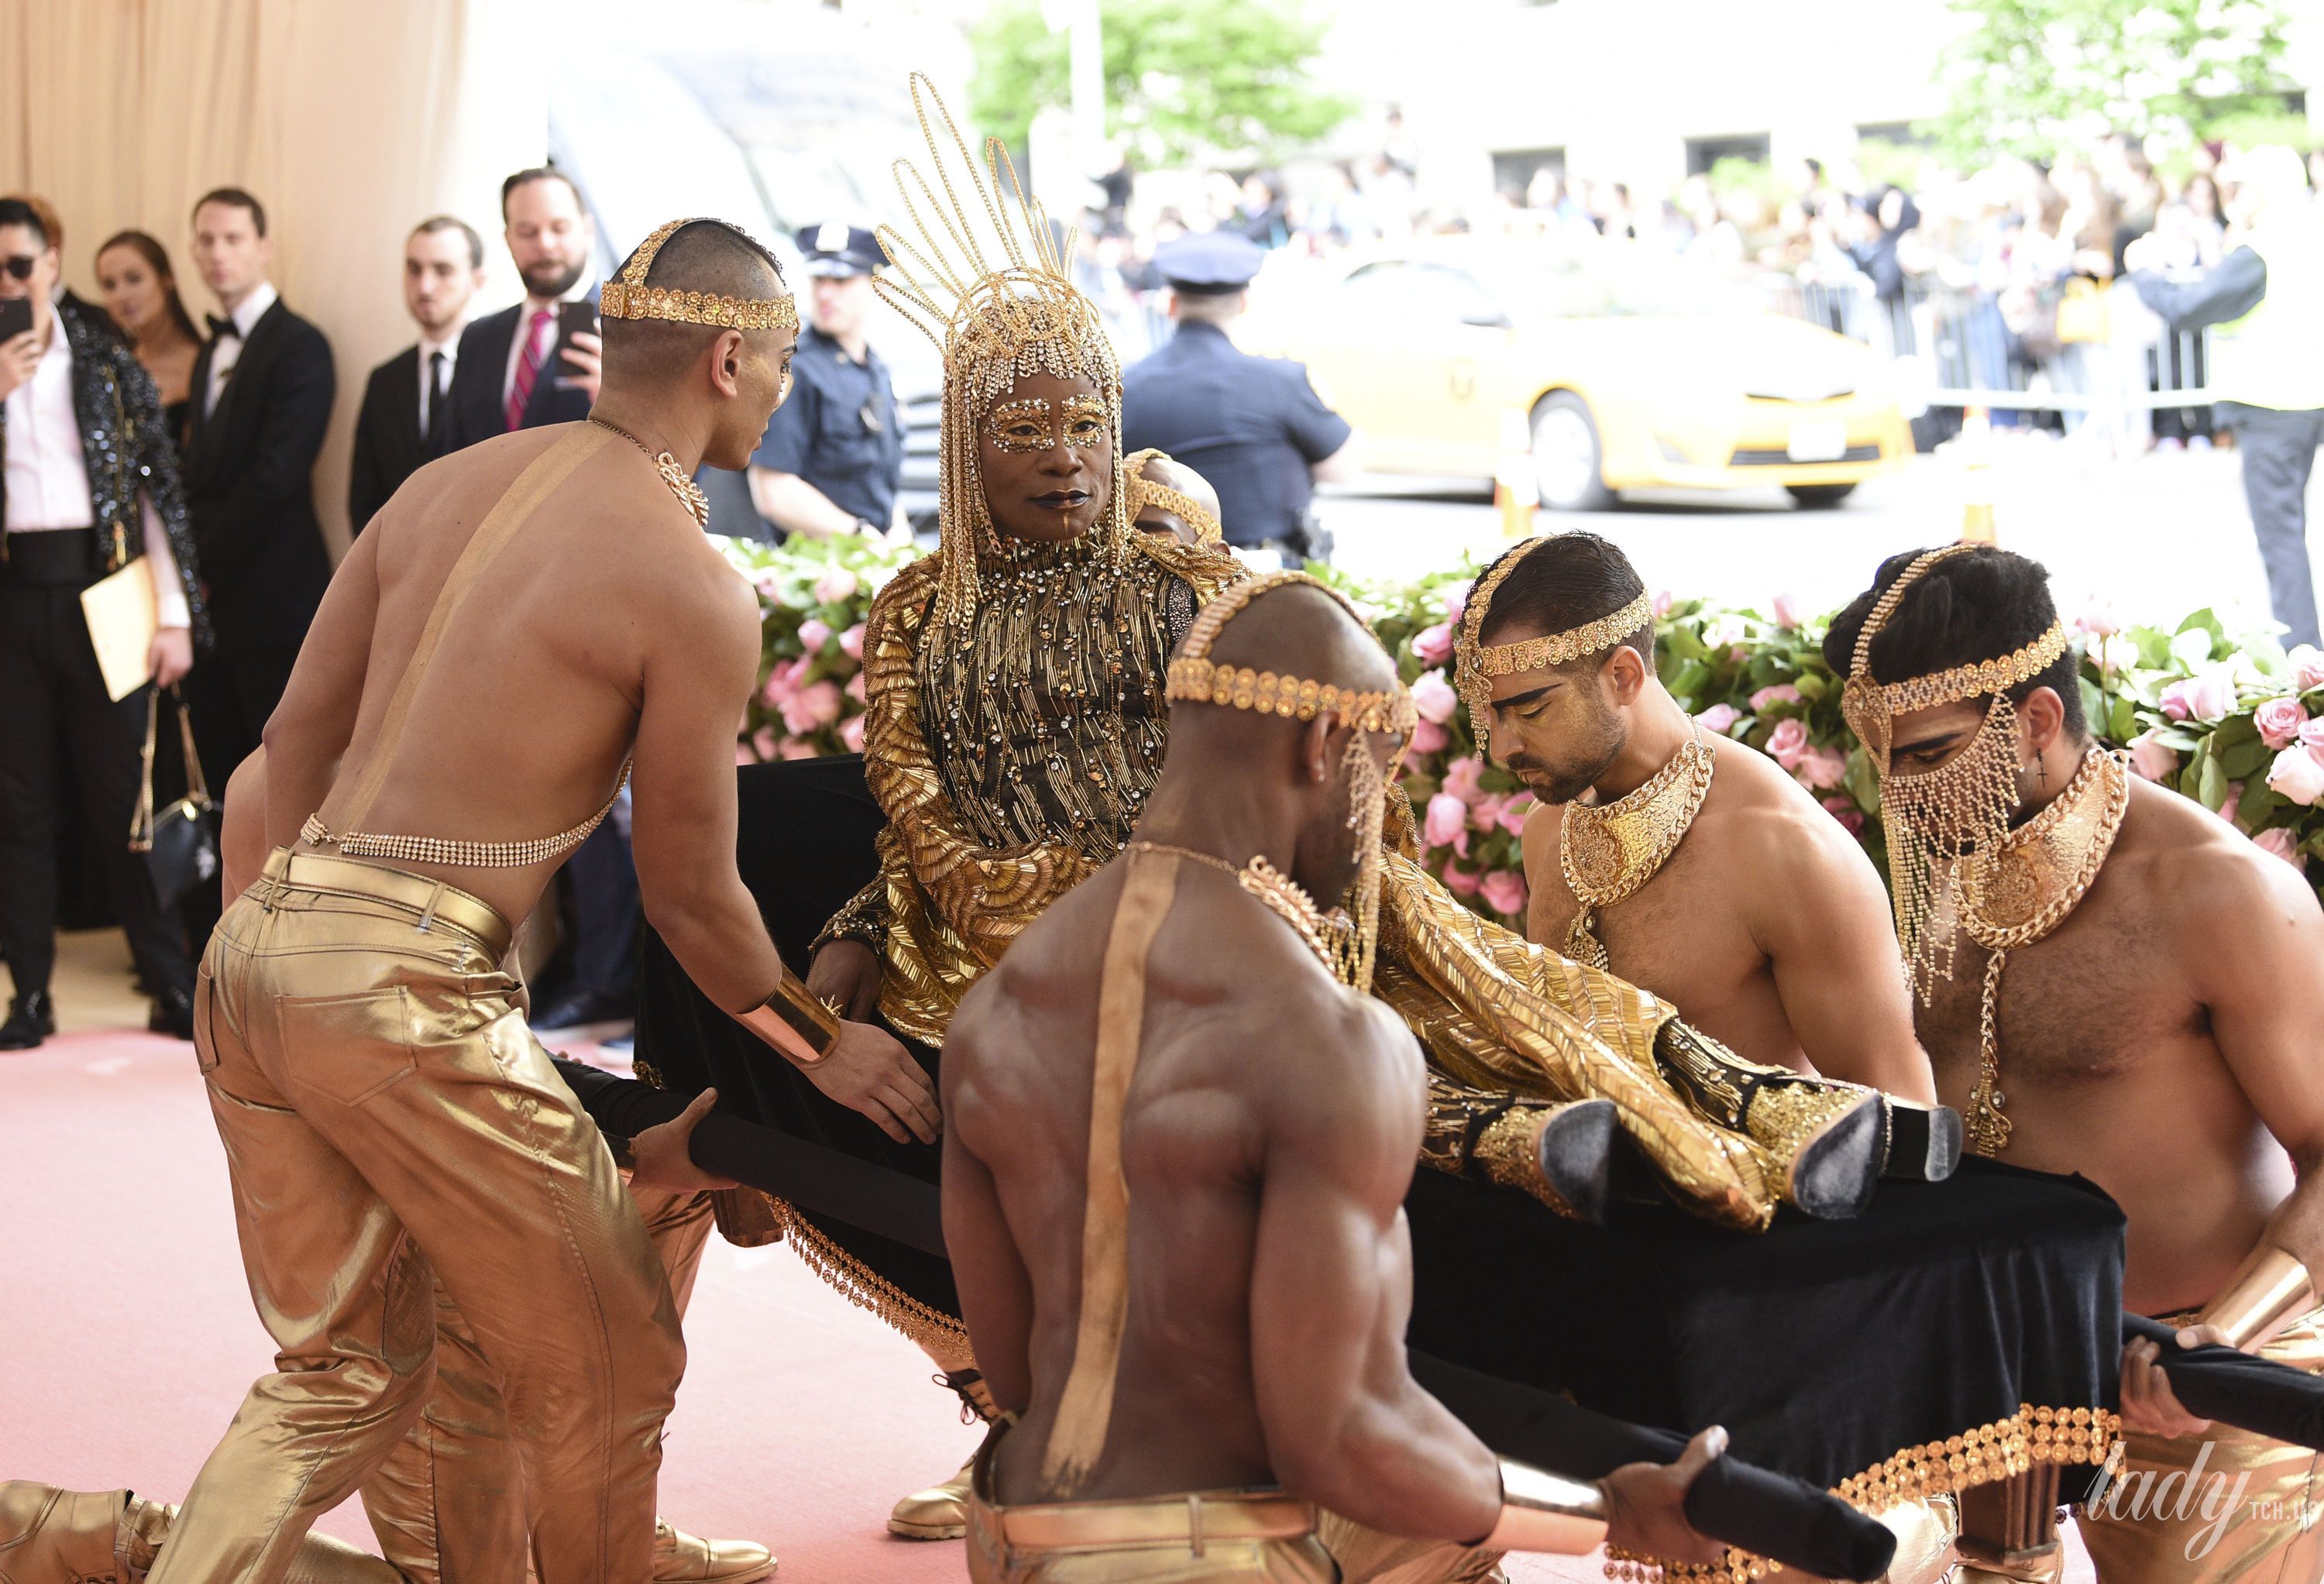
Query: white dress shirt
point(48, 474)
point(548, 333)
point(450, 348)
point(228, 350)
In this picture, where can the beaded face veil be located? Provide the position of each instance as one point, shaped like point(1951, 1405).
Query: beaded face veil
point(996, 297)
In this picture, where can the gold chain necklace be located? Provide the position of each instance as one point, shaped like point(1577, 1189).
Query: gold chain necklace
point(689, 493)
point(1605, 853)
point(2018, 893)
point(1283, 896)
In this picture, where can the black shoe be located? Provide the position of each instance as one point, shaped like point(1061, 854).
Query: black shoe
point(576, 1004)
point(32, 1018)
point(1924, 1142)
point(173, 1014)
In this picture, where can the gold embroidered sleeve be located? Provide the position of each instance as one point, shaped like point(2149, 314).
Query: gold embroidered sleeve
point(864, 920)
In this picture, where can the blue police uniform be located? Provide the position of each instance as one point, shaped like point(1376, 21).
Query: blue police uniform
point(840, 429)
point(1252, 426)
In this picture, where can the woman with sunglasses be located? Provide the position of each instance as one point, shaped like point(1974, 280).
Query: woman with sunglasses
point(140, 293)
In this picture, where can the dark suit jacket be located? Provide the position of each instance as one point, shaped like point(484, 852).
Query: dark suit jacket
point(478, 375)
point(389, 446)
point(250, 468)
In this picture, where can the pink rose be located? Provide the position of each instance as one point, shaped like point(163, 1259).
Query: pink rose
point(2152, 759)
point(855, 687)
point(2307, 667)
point(778, 688)
point(836, 584)
point(1787, 609)
point(2209, 696)
point(764, 742)
point(2312, 733)
point(1460, 842)
point(1718, 718)
point(793, 748)
point(2282, 842)
point(1504, 891)
point(1460, 881)
point(769, 582)
point(1458, 605)
point(1433, 646)
point(1462, 779)
point(1430, 737)
point(1446, 819)
point(2279, 721)
point(1845, 811)
point(851, 733)
point(814, 633)
point(1780, 693)
point(1485, 813)
point(815, 705)
point(851, 642)
point(1788, 743)
point(2297, 774)
point(1435, 698)
point(1822, 768)
point(2234, 802)
point(2099, 619)
point(1514, 812)
point(1664, 601)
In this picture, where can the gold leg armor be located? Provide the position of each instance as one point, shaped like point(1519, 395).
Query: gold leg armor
point(374, 1084)
point(1558, 1151)
point(51, 1536)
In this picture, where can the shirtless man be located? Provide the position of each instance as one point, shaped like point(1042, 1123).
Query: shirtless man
point(1709, 875)
point(367, 1057)
point(1203, 1287)
point(2155, 983)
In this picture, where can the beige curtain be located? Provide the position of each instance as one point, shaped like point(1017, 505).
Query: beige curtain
point(349, 119)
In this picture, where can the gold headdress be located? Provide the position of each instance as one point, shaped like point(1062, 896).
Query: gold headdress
point(1144, 492)
point(1475, 665)
point(630, 298)
point(1348, 940)
point(996, 318)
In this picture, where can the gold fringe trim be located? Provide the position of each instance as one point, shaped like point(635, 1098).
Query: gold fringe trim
point(1983, 1456)
point(866, 1288)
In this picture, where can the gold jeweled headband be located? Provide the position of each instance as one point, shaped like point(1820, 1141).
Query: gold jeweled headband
point(630, 298)
point(1870, 706)
point(1196, 678)
point(1477, 664)
point(1144, 492)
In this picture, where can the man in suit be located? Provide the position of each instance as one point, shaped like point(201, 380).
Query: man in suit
point(262, 389)
point(406, 406)
point(512, 372)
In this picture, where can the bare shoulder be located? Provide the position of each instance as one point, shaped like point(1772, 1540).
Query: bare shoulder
point(1772, 822)
point(2184, 863)
point(1538, 841)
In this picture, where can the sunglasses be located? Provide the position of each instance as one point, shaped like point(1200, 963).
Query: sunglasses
point(21, 265)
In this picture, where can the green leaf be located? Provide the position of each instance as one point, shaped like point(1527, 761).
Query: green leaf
point(2211, 785)
point(2192, 645)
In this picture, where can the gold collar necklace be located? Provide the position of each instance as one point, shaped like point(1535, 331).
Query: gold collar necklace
point(1608, 852)
point(2023, 890)
point(690, 495)
point(1284, 897)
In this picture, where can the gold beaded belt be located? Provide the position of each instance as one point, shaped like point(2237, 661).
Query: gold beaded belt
point(472, 854)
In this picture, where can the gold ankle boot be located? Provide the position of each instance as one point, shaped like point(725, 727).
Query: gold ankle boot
point(937, 1513)
point(680, 1558)
point(52, 1537)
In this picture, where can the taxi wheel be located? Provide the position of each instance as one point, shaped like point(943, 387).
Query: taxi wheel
point(1566, 455)
point(1816, 497)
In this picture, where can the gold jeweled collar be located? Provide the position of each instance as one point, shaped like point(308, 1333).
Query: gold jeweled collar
point(689, 493)
point(1607, 853)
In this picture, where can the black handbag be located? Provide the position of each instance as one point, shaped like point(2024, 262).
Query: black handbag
point(180, 843)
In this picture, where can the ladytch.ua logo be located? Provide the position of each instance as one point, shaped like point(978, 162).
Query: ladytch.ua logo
point(2179, 1496)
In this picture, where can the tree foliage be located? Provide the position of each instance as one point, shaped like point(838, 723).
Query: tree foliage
point(1184, 79)
point(2034, 77)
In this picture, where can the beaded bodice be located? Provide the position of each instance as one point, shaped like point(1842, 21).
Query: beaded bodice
point(1046, 715)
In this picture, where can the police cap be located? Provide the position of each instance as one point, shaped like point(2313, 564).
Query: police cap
point(1209, 263)
point(837, 248)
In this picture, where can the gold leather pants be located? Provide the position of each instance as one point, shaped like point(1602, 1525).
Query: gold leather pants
point(389, 1123)
point(2154, 1526)
point(1367, 1556)
point(1252, 1537)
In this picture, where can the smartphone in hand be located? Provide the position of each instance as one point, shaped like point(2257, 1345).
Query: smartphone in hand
point(572, 319)
point(16, 316)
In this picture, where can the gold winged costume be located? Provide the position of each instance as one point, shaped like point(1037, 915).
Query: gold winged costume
point(1016, 719)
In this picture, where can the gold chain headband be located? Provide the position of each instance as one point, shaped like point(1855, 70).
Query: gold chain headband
point(630, 298)
point(1477, 664)
point(1196, 678)
point(1144, 492)
point(1871, 707)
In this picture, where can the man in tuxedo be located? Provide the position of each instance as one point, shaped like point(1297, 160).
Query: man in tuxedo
point(262, 389)
point(514, 370)
point(406, 406)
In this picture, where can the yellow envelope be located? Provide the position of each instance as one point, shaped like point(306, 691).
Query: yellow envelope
point(123, 616)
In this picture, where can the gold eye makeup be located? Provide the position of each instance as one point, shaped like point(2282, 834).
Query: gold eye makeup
point(1021, 426)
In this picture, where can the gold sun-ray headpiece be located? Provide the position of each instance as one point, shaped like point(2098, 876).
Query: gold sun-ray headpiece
point(630, 298)
point(1475, 664)
point(997, 298)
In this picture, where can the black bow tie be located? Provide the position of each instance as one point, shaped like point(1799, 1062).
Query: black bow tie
point(221, 328)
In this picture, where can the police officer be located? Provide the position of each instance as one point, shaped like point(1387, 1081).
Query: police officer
point(1252, 426)
point(834, 454)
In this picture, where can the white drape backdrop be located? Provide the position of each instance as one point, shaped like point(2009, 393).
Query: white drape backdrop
point(349, 119)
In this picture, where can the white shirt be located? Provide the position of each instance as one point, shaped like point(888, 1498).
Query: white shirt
point(547, 333)
point(450, 348)
point(228, 350)
point(48, 474)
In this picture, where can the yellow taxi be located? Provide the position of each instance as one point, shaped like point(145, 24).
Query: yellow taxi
point(1626, 368)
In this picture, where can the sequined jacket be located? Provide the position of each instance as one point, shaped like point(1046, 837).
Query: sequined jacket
point(127, 450)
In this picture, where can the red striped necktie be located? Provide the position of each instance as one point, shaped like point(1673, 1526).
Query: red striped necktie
point(528, 365)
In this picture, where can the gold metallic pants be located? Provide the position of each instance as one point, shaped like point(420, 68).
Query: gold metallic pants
point(389, 1123)
point(2158, 1526)
point(1367, 1556)
point(1253, 1537)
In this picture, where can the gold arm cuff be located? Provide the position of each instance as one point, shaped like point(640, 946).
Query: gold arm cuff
point(793, 1009)
point(1547, 1512)
point(2269, 1289)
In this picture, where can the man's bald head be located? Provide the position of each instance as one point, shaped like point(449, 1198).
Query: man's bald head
point(708, 257)
point(1156, 517)
point(1298, 631)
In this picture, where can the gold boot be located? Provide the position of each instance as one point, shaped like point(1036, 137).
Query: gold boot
point(52, 1537)
point(1827, 1141)
point(937, 1513)
point(678, 1558)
